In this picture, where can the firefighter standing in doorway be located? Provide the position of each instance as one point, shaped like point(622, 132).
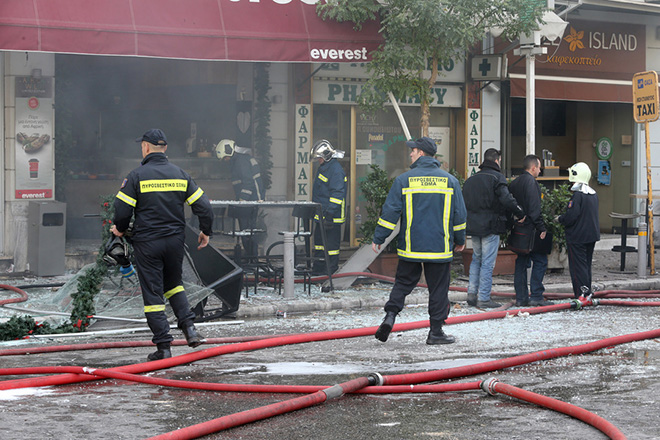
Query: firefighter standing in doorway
point(329, 190)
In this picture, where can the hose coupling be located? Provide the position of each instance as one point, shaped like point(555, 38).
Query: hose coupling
point(576, 304)
point(376, 379)
point(333, 392)
point(488, 385)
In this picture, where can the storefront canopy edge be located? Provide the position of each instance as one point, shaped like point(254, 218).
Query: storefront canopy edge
point(242, 30)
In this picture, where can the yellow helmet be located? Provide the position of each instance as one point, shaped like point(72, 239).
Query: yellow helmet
point(225, 148)
point(579, 173)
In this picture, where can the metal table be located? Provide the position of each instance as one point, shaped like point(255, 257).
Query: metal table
point(284, 204)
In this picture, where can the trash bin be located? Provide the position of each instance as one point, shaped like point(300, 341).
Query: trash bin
point(46, 237)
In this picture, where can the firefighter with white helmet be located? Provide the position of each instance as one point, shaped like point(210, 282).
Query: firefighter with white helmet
point(329, 190)
point(245, 170)
point(246, 180)
point(582, 228)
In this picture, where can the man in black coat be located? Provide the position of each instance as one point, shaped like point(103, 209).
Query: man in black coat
point(487, 198)
point(527, 192)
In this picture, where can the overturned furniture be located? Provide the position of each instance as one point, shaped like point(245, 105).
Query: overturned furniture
point(216, 271)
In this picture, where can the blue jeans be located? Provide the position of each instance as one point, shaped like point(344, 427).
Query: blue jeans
point(523, 262)
point(484, 254)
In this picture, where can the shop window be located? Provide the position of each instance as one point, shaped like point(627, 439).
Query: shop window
point(518, 117)
point(553, 118)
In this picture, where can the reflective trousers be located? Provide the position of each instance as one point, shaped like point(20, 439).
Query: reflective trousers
point(159, 268)
point(333, 242)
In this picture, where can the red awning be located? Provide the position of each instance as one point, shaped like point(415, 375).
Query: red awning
point(563, 90)
point(237, 30)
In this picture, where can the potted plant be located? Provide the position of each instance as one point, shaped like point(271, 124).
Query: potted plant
point(554, 203)
point(375, 187)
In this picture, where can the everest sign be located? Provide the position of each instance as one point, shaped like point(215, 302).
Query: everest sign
point(645, 96)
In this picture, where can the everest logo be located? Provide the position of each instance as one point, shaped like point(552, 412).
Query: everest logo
point(574, 40)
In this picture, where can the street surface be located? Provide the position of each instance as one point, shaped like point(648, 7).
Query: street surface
point(620, 384)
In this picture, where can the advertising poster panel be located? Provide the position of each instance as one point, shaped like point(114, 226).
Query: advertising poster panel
point(34, 138)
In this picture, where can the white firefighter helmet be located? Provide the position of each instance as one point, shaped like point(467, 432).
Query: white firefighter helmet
point(324, 150)
point(579, 173)
point(225, 148)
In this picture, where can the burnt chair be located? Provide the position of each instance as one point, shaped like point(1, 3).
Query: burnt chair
point(244, 229)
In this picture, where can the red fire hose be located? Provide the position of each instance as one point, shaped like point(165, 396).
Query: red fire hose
point(23, 295)
point(267, 411)
point(395, 383)
point(493, 386)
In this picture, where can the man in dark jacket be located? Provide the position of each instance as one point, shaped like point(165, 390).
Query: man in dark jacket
point(582, 228)
point(155, 193)
point(487, 198)
point(429, 203)
point(527, 192)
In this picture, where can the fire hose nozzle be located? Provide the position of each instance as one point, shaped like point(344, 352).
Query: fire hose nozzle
point(376, 379)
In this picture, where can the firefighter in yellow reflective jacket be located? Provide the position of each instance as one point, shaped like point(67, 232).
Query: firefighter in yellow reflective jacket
point(429, 203)
point(330, 191)
point(155, 193)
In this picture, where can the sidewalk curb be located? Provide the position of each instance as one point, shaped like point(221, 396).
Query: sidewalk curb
point(334, 303)
point(337, 302)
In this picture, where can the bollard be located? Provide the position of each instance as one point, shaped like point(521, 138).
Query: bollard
point(289, 257)
point(641, 250)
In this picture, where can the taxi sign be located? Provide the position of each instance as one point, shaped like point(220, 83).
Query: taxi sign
point(645, 96)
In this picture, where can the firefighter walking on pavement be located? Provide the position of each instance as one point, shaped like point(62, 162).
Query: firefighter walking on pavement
point(155, 193)
point(329, 190)
point(429, 203)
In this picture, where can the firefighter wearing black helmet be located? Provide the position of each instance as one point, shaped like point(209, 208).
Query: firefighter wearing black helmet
point(156, 193)
point(329, 190)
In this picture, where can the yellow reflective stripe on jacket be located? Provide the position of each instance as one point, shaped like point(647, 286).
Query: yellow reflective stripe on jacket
point(341, 219)
point(196, 195)
point(156, 308)
point(386, 224)
point(336, 201)
point(448, 191)
point(409, 217)
point(445, 221)
point(424, 255)
point(161, 185)
point(323, 178)
point(126, 199)
point(460, 227)
point(173, 292)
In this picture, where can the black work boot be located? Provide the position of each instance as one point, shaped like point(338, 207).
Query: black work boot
point(193, 338)
point(385, 328)
point(163, 352)
point(472, 299)
point(437, 336)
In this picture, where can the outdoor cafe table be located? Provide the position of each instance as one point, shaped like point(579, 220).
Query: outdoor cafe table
point(284, 204)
